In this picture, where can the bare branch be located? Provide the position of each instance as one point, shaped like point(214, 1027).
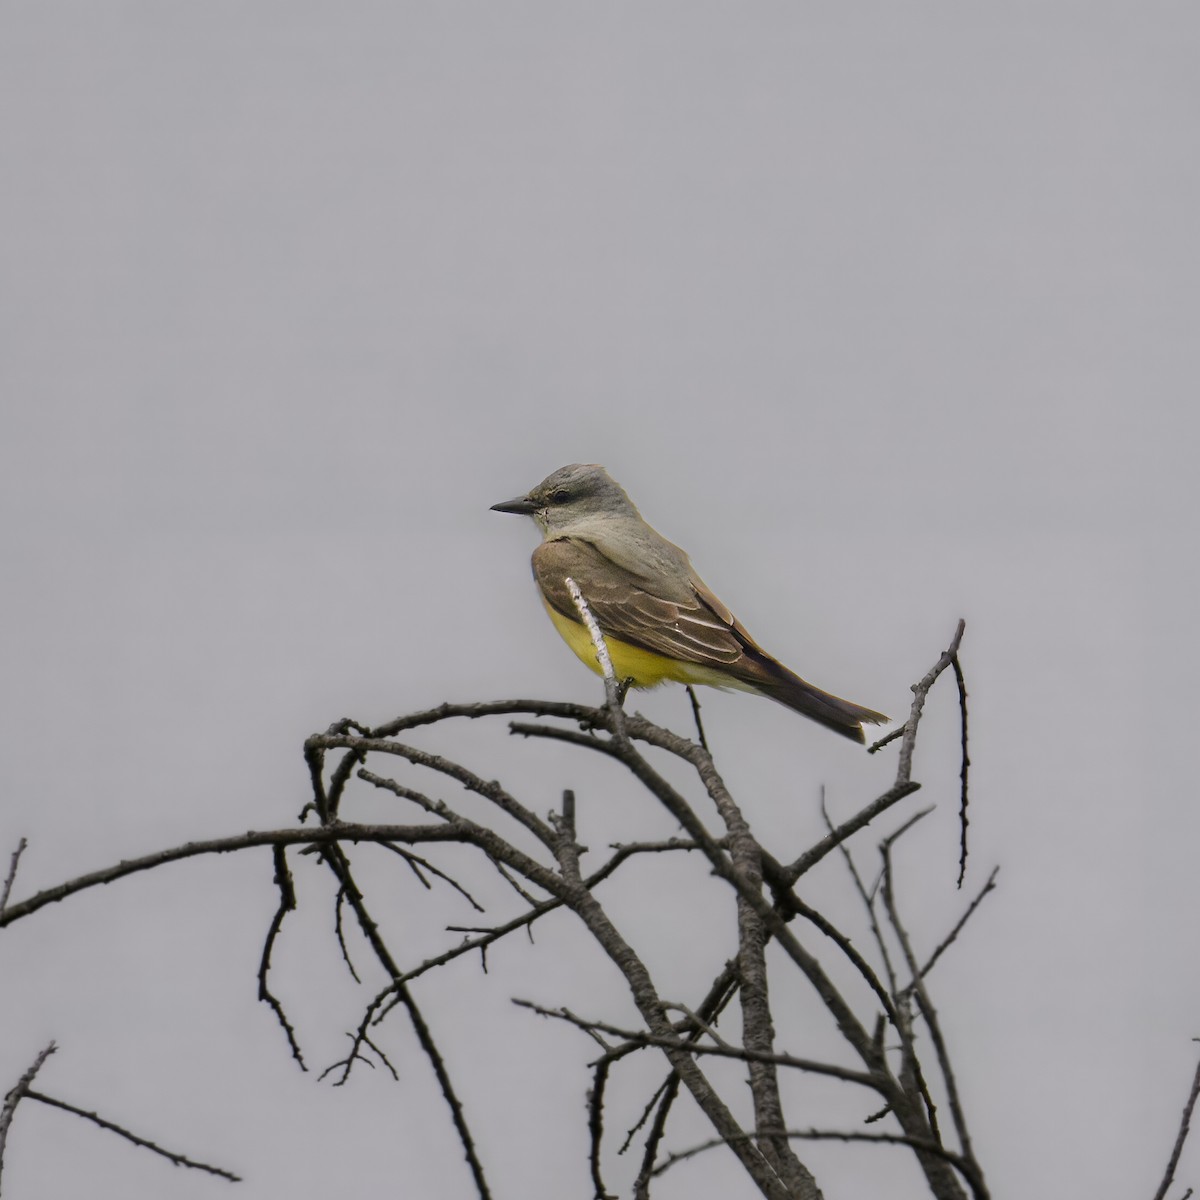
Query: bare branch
point(846, 946)
point(18, 1093)
point(596, 1127)
point(638, 1038)
point(548, 877)
point(695, 1025)
point(357, 1042)
point(339, 931)
point(1184, 1127)
point(584, 904)
point(966, 1163)
point(836, 1135)
point(691, 691)
point(612, 686)
point(568, 814)
point(948, 940)
point(287, 904)
point(373, 1014)
point(963, 769)
point(920, 691)
point(417, 864)
point(6, 891)
point(868, 898)
point(846, 829)
point(339, 864)
point(758, 1032)
point(720, 993)
point(171, 1156)
point(489, 790)
point(327, 835)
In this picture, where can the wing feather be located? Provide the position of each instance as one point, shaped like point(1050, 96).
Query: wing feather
point(692, 626)
point(626, 608)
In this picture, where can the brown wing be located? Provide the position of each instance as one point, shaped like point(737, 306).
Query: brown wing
point(626, 608)
point(697, 629)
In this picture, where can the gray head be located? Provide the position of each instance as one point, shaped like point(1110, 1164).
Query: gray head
point(581, 492)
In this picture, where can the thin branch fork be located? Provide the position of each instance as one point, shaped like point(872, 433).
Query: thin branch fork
point(335, 857)
point(636, 1039)
point(17, 1093)
point(967, 1163)
point(650, 1005)
point(24, 1090)
point(321, 836)
point(374, 1015)
point(14, 862)
point(922, 1145)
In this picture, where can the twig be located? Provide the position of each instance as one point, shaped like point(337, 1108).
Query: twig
point(670, 1083)
point(327, 835)
point(17, 1093)
point(1184, 1126)
point(612, 687)
point(568, 813)
point(886, 740)
point(846, 946)
point(640, 1038)
point(949, 938)
point(695, 1024)
point(512, 882)
point(920, 691)
point(489, 790)
point(720, 993)
point(339, 864)
point(966, 1161)
point(898, 1008)
point(965, 767)
point(900, 831)
point(836, 837)
point(691, 691)
point(868, 899)
point(665, 1099)
point(645, 995)
point(12, 874)
point(287, 904)
point(357, 1041)
point(355, 1055)
point(416, 864)
point(339, 779)
point(374, 1014)
point(837, 1135)
point(596, 1127)
point(912, 1073)
point(178, 1160)
point(339, 932)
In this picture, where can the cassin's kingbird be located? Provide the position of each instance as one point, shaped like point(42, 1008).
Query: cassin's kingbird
point(659, 620)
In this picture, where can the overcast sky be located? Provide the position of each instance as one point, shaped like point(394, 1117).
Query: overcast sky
point(887, 313)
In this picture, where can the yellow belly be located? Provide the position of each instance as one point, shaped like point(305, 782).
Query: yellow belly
point(644, 667)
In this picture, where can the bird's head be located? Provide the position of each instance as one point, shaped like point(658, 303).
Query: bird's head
point(572, 496)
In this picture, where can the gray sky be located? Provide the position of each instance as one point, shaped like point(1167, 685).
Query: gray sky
point(886, 313)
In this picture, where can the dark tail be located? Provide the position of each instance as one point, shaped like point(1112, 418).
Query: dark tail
point(777, 682)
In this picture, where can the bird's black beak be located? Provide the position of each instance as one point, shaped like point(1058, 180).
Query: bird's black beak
point(522, 505)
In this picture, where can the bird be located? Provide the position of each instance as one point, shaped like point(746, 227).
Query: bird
point(659, 619)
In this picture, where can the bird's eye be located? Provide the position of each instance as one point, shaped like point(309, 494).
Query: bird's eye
point(559, 496)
